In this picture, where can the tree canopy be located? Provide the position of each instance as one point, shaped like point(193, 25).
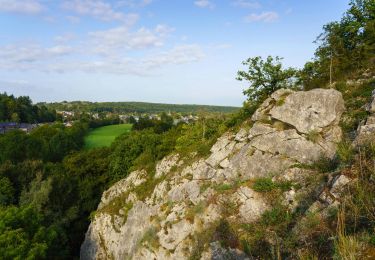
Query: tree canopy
point(265, 77)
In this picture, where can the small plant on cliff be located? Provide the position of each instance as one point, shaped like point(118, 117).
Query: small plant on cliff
point(267, 185)
point(313, 136)
point(151, 238)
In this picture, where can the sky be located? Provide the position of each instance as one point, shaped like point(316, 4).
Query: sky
point(167, 51)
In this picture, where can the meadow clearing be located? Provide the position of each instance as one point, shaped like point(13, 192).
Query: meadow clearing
point(105, 135)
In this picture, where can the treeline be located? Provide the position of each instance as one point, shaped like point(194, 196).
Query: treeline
point(164, 124)
point(21, 110)
point(346, 48)
point(49, 185)
point(137, 107)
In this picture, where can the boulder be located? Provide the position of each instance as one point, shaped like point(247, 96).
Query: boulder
point(183, 203)
point(311, 110)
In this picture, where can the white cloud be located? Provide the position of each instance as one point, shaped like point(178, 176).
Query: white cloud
point(204, 4)
point(177, 55)
point(64, 38)
point(25, 56)
point(133, 3)
point(112, 41)
point(21, 6)
point(109, 51)
point(262, 17)
point(73, 19)
point(222, 46)
point(98, 9)
point(246, 4)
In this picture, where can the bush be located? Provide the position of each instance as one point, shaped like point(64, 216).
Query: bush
point(345, 152)
point(263, 185)
point(225, 235)
point(267, 185)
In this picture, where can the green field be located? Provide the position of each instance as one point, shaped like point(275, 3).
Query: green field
point(104, 136)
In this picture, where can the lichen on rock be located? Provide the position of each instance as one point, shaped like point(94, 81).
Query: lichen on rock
point(193, 196)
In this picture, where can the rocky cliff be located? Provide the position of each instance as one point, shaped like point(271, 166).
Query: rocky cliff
point(162, 215)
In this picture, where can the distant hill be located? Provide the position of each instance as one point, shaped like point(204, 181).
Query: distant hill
point(139, 107)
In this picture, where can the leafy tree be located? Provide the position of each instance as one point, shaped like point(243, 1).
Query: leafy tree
point(6, 191)
point(21, 109)
point(22, 235)
point(346, 47)
point(265, 77)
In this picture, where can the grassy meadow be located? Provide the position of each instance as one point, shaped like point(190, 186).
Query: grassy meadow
point(105, 135)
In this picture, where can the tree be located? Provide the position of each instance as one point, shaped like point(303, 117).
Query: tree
point(265, 77)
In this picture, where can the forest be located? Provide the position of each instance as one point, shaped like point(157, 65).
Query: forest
point(135, 107)
point(50, 185)
point(21, 110)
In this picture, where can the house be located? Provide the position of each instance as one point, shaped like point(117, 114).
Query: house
point(9, 126)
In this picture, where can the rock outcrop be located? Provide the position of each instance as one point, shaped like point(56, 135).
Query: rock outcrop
point(366, 130)
point(134, 221)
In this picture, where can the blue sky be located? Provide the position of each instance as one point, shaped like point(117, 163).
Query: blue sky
point(170, 51)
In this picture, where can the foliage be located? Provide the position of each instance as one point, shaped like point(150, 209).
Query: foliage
point(21, 110)
point(47, 143)
point(151, 238)
point(267, 185)
point(22, 235)
point(200, 137)
point(195, 210)
point(135, 107)
point(164, 124)
point(265, 77)
point(225, 235)
point(346, 49)
point(313, 136)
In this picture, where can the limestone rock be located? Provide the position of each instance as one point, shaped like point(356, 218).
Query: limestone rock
point(116, 244)
point(221, 149)
point(187, 190)
point(371, 106)
point(217, 252)
point(288, 143)
point(311, 110)
point(178, 205)
point(165, 165)
point(241, 136)
point(134, 179)
point(170, 238)
point(251, 163)
point(252, 204)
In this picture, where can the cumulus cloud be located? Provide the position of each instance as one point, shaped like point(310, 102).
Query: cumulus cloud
point(112, 41)
point(267, 17)
point(98, 9)
point(16, 56)
point(246, 4)
point(133, 3)
point(21, 6)
point(108, 51)
point(177, 55)
point(204, 4)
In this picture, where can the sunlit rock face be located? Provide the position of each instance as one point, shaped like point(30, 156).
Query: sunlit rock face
point(189, 196)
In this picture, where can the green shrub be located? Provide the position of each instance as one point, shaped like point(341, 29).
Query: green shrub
point(195, 210)
point(223, 187)
point(345, 152)
point(267, 185)
point(313, 136)
point(151, 238)
point(263, 185)
point(276, 216)
point(226, 235)
point(324, 164)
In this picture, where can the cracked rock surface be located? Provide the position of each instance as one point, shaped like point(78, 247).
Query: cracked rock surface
point(289, 128)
